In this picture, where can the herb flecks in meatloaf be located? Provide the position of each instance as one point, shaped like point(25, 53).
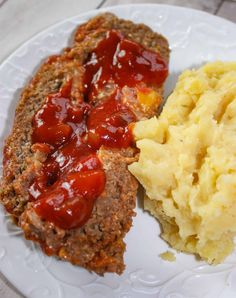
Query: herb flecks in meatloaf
point(98, 244)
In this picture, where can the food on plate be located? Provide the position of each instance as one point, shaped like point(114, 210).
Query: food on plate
point(65, 176)
point(168, 256)
point(187, 162)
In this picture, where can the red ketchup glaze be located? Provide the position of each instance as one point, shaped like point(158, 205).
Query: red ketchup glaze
point(57, 119)
point(108, 124)
point(123, 62)
point(72, 177)
point(69, 202)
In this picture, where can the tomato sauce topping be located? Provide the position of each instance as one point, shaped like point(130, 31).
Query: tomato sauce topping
point(123, 62)
point(70, 133)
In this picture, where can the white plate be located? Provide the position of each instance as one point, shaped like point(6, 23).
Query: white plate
point(195, 37)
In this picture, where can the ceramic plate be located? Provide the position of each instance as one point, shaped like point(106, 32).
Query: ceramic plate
point(195, 37)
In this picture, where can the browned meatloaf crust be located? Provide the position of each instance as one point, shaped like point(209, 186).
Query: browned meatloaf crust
point(98, 245)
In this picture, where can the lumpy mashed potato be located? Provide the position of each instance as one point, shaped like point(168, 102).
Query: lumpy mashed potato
point(187, 162)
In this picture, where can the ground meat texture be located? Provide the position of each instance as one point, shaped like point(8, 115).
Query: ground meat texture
point(98, 245)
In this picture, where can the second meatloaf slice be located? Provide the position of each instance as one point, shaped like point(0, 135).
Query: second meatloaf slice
point(97, 245)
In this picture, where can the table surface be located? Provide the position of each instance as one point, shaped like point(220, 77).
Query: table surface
point(16, 15)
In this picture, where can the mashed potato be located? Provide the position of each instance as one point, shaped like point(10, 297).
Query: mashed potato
point(187, 162)
point(168, 256)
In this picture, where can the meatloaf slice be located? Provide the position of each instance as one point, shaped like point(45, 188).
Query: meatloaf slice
point(98, 245)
